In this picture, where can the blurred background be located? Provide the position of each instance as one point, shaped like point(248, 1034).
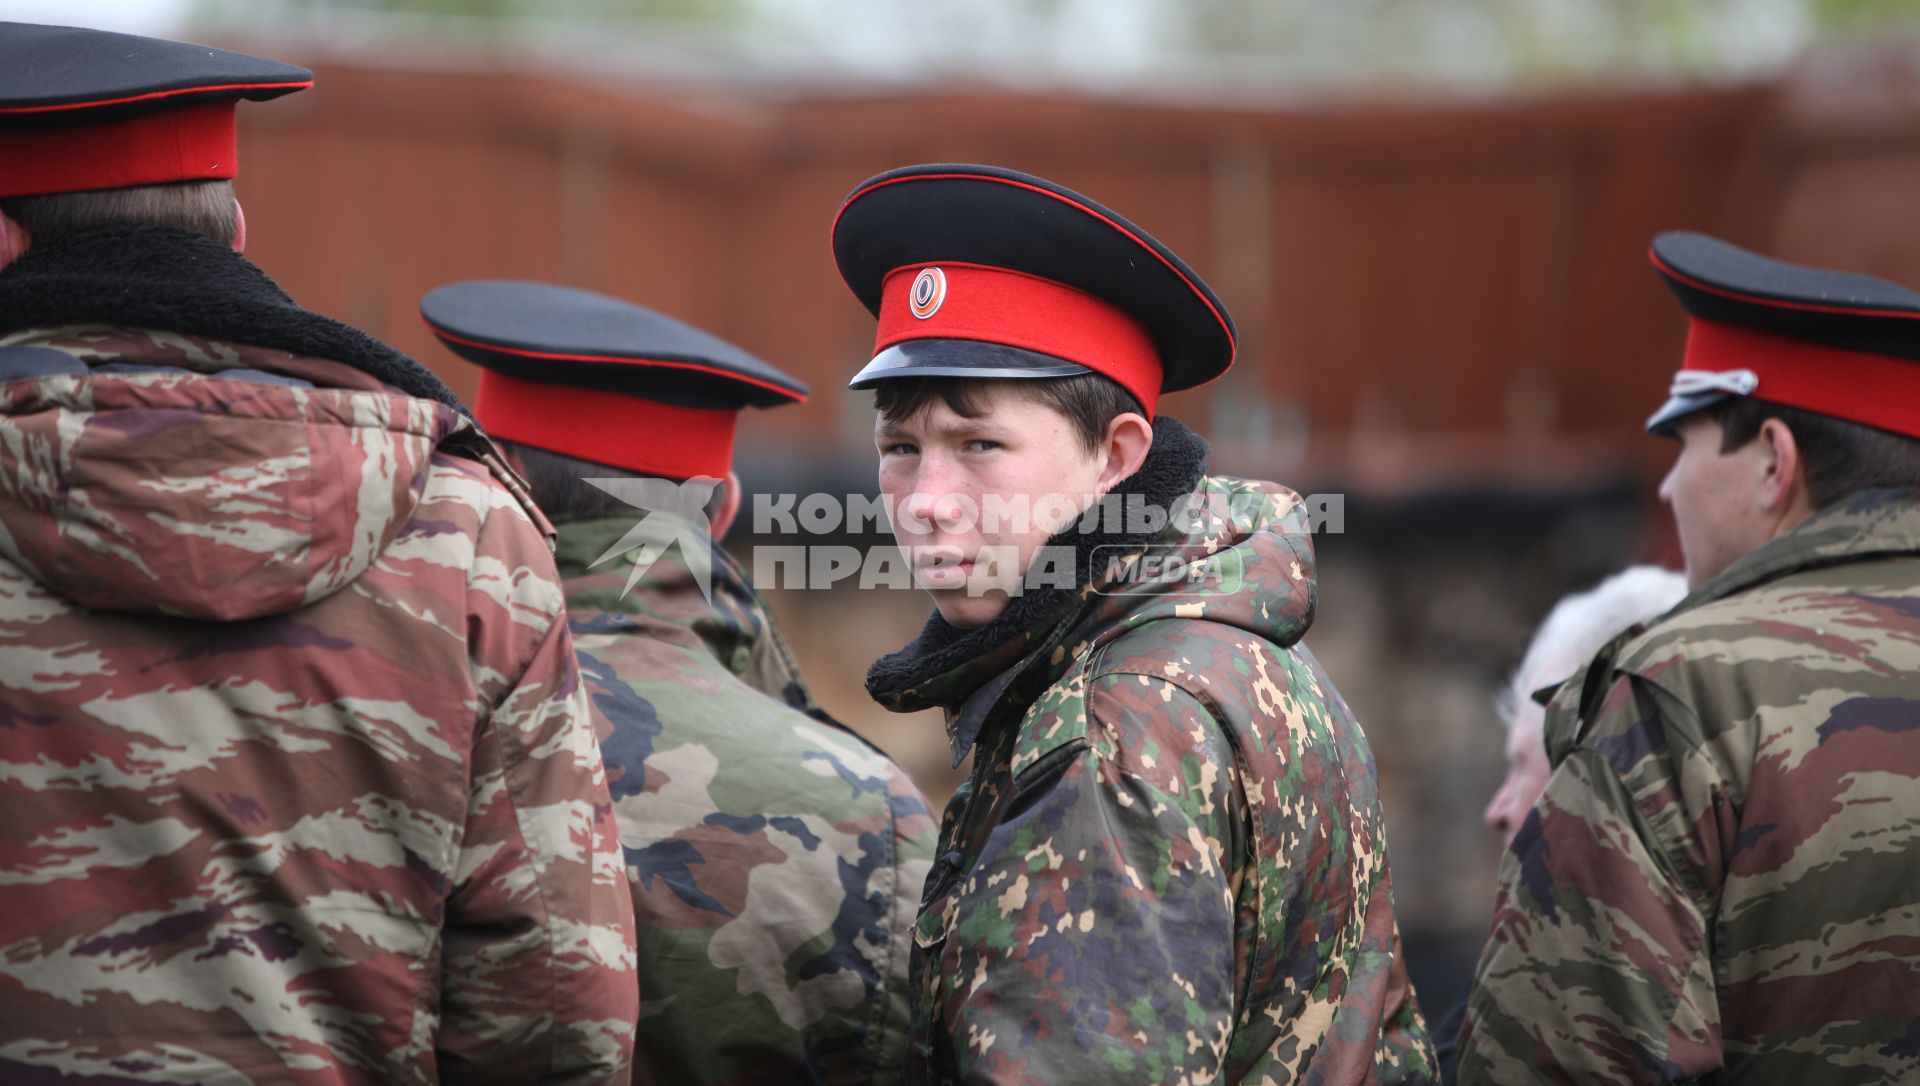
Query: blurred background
point(1429, 219)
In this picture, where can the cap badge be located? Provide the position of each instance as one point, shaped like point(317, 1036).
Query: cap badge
point(929, 290)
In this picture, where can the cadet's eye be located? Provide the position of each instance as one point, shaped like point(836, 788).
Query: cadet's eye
point(899, 448)
point(981, 444)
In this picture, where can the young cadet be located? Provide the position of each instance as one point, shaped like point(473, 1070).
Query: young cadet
point(774, 855)
point(297, 782)
point(1168, 864)
point(1718, 883)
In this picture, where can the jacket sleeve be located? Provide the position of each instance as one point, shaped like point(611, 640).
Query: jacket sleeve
point(1597, 970)
point(1094, 935)
point(916, 838)
point(537, 972)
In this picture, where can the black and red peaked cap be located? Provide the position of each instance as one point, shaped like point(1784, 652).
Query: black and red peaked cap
point(589, 376)
point(1831, 342)
point(90, 109)
point(977, 271)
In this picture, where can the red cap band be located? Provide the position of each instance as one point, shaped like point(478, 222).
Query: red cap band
point(995, 305)
point(188, 143)
point(1874, 390)
point(642, 436)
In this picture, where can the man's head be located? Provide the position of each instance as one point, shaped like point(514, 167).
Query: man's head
point(99, 128)
point(1797, 388)
point(1025, 337)
point(980, 473)
point(203, 207)
point(559, 485)
point(1573, 631)
point(1748, 471)
point(578, 386)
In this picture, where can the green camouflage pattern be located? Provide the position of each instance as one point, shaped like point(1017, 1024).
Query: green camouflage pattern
point(297, 781)
point(776, 857)
point(1718, 884)
point(1169, 864)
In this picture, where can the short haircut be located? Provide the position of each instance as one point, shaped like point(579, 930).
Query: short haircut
point(1837, 457)
point(1579, 624)
point(558, 484)
point(1088, 400)
point(204, 207)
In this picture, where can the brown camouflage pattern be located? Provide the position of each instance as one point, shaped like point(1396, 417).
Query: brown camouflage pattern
point(297, 783)
point(1721, 882)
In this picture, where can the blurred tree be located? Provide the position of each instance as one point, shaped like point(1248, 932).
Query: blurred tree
point(1848, 15)
point(634, 12)
point(1488, 43)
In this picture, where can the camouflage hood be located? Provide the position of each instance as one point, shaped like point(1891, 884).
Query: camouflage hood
point(1244, 560)
point(1233, 552)
point(163, 474)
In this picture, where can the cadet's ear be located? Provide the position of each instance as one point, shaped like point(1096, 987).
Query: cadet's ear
point(240, 227)
point(722, 518)
point(14, 241)
point(1783, 481)
point(1129, 438)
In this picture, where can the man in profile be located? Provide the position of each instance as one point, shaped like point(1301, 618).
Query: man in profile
point(1717, 883)
point(297, 781)
point(1570, 634)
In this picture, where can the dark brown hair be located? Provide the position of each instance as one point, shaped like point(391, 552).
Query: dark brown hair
point(1836, 456)
point(1088, 400)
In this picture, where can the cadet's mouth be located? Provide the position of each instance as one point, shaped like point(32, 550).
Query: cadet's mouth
point(941, 567)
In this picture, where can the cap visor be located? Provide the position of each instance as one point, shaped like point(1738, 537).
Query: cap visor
point(1678, 407)
point(961, 358)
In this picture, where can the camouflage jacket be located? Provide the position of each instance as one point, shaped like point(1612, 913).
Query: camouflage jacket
point(1169, 864)
point(1718, 884)
point(296, 777)
point(775, 856)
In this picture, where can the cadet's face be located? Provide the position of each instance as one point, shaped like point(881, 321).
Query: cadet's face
point(1715, 504)
point(974, 499)
point(1527, 772)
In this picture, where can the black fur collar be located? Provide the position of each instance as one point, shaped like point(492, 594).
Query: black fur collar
point(946, 663)
point(157, 277)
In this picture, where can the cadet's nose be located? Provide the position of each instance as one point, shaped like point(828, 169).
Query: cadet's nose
point(1499, 813)
point(933, 511)
point(937, 502)
point(918, 506)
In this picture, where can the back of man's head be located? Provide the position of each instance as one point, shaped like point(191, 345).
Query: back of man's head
point(558, 484)
point(1580, 624)
point(203, 207)
point(1837, 457)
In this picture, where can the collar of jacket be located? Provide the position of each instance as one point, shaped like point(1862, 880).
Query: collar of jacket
point(597, 560)
point(968, 671)
point(144, 276)
point(1864, 524)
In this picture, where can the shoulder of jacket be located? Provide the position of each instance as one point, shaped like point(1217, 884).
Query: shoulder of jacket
point(1161, 658)
point(1665, 660)
point(1168, 647)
